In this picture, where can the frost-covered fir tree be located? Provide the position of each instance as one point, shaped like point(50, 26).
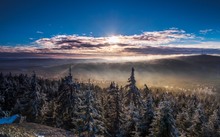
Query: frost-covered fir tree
point(146, 91)
point(91, 120)
point(3, 97)
point(30, 102)
point(109, 107)
point(10, 88)
point(213, 126)
point(68, 102)
point(133, 94)
point(120, 115)
point(133, 121)
point(2, 89)
point(114, 111)
point(163, 124)
point(148, 115)
point(48, 112)
point(3, 113)
point(199, 120)
point(2, 101)
point(184, 122)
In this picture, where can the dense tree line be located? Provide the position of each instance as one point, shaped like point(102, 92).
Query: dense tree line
point(89, 110)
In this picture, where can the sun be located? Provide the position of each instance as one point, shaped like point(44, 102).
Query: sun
point(113, 39)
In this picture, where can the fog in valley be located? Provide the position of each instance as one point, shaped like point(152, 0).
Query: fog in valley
point(196, 71)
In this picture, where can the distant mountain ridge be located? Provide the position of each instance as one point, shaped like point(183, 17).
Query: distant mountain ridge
point(166, 71)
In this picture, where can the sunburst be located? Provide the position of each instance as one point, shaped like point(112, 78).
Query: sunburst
point(113, 39)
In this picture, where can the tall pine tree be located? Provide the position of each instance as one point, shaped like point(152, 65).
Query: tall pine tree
point(133, 93)
point(68, 102)
point(91, 120)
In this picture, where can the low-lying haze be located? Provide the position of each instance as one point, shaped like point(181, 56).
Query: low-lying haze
point(169, 71)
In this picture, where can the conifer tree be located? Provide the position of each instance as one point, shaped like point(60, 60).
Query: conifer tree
point(115, 114)
point(68, 102)
point(148, 115)
point(49, 113)
point(9, 92)
point(92, 122)
point(2, 101)
point(133, 94)
point(164, 124)
point(133, 121)
point(213, 126)
point(109, 107)
point(30, 103)
point(184, 122)
point(89, 110)
point(199, 120)
point(119, 109)
point(146, 91)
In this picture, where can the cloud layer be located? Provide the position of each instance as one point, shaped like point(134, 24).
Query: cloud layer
point(171, 41)
point(205, 31)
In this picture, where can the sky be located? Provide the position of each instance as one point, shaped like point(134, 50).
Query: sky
point(97, 28)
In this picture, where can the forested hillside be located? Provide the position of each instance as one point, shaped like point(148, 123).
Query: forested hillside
point(89, 110)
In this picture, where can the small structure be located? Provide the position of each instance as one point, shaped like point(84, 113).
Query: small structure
point(10, 120)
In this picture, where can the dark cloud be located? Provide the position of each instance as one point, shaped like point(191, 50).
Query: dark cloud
point(67, 41)
point(171, 50)
point(7, 55)
point(80, 46)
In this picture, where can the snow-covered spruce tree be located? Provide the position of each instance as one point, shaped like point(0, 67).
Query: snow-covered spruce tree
point(10, 88)
point(2, 112)
point(133, 121)
point(2, 97)
point(114, 111)
point(191, 106)
point(213, 126)
point(101, 118)
point(30, 103)
point(2, 89)
point(199, 120)
point(48, 94)
point(5, 106)
point(109, 107)
point(146, 91)
point(49, 113)
point(91, 124)
point(98, 105)
point(49, 88)
point(148, 114)
point(183, 122)
point(163, 124)
point(120, 115)
point(68, 102)
point(133, 94)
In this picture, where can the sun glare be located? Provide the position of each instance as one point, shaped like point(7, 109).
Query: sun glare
point(113, 39)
